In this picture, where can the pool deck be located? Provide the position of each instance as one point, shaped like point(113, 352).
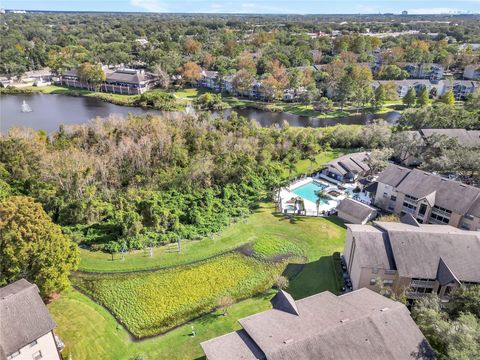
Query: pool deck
point(287, 194)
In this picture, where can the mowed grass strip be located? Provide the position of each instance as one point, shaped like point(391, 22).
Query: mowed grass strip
point(268, 247)
point(315, 236)
point(152, 303)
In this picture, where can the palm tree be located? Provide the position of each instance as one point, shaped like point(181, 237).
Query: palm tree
point(321, 195)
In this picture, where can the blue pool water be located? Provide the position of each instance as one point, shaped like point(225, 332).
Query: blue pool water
point(308, 190)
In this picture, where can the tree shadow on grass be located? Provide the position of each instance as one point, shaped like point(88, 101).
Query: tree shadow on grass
point(293, 219)
point(336, 220)
point(311, 278)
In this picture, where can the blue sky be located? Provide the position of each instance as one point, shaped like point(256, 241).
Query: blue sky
point(252, 6)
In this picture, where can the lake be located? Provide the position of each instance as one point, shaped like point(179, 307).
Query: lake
point(50, 111)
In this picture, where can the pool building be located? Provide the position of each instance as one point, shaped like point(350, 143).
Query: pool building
point(321, 193)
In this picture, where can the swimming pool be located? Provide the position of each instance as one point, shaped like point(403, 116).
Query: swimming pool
point(308, 191)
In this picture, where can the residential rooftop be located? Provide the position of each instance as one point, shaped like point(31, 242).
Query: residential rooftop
point(437, 190)
point(354, 163)
point(358, 325)
point(24, 317)
point(418, 250)
point(355, 209)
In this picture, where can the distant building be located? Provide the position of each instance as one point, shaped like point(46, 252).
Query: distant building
point(472, 72)
point(460, 88)
point(142, 41)
point(360, 325)
point(412, 258)
point(430, 71)
point(120, 81)
point(404, 12)
point(467, 138)
point(26, 328)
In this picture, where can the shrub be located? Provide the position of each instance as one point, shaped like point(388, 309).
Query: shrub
point(209, 101)
point(158, 100)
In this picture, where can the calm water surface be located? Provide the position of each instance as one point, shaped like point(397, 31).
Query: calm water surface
point(50, 111)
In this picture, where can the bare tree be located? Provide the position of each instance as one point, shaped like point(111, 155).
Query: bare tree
point(281, 282)
point(163, 77)
point(224, 303)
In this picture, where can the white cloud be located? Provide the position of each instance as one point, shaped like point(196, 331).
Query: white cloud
point(150, 5)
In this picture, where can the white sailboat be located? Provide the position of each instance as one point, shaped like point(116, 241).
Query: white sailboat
point(25, 107)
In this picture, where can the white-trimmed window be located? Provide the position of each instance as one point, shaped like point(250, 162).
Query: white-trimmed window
point(33, 343)
point(37, 355)
point(13, 355)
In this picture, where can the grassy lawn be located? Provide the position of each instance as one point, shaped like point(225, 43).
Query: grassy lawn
point(188, 93)
point(63, 90)
point(91, 332)
point(305, 166)
point(263, 223)
point(155, 302)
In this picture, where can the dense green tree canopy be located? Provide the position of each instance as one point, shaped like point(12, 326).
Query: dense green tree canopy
point(33, 247)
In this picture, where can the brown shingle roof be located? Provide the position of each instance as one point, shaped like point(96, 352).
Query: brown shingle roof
point(356, 209)
point(23, 316)
point(468, 138)
point(238, 343)
point(361, 325)
point(417, 250)
point(354, 163)
point(371, 249)
point(449, 194)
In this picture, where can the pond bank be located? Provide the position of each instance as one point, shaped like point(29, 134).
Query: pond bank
point(185, 96)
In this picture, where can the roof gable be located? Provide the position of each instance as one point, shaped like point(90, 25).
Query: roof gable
point(283, 301)
point(24, 316)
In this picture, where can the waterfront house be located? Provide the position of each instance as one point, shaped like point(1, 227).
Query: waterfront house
point(429, 198)
point(411, 258)
point(360, 325)
point(26, 327)
point(460, 88)
point(120, 81)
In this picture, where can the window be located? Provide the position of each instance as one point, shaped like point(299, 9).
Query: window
point(385, 195)
point(390, 272)
point(37, 355)
point(441, 209)
point(33, 343)
point(465, 226)
point(393, 198)
point(421, 290)
point(469, 217)
point(439, 218)
point(373, 281)
point(423, 209)
point(409, 206)
point(13, 355)
point(411, 198)
point(387, 282)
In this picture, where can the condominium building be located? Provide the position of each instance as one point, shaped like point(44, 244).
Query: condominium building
point(412, 258)
point(429, 198)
